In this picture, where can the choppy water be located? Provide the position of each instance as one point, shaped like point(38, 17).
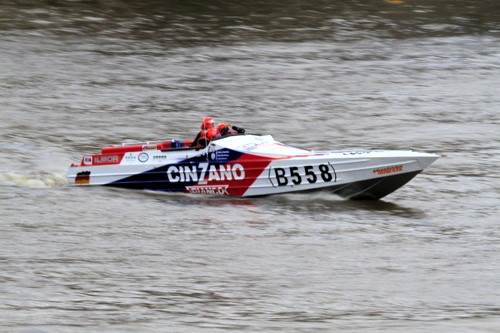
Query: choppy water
point(422, 75)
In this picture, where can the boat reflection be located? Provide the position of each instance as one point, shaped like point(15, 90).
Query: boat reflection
point(292, 203)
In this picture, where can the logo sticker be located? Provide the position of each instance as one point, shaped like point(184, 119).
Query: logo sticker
point(87, 160)
point(143, 157)
point(208, 189)
point(106, 159)
point(391, 169)
point(149, 147)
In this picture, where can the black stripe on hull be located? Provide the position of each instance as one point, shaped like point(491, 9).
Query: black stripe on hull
point(373, 189)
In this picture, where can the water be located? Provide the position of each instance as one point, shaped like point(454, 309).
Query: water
point(76, 76)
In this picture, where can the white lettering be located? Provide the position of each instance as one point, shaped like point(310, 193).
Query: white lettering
point(213, 174)
point(225, 174)
point(182, 173)
point(178, 173)
point(173, 174)
point(191, 174)
point(204, 167)
point(238, 168)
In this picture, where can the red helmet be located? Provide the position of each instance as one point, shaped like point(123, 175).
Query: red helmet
point(221, 126)
point(207, 123)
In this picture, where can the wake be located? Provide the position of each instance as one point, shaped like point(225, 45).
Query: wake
point(41, 179)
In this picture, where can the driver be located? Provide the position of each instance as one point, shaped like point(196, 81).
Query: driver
point(207, 133)
point(227, 129)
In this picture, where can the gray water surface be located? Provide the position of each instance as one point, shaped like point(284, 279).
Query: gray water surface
point(79, 75)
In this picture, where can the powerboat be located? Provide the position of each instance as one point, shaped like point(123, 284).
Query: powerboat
point(247, 166)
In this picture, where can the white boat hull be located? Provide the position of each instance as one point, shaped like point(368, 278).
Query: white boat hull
point(250, 165)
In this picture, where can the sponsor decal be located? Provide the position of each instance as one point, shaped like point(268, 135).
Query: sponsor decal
point(247, 147)
point(130, 157)
point(87, 160)
point(106, 159)
point(239, 174)
point(149, 147)
point(143, 157)
point(222, 155)
point(82, 178)
point(307, 174)
point(204, 173)
point(356, 152)
point(208, 189)
point(391, 169)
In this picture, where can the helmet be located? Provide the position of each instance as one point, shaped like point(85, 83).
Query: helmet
point(207, 123)
point(221, 126)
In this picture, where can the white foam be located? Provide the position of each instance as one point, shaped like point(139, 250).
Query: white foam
point(35, 180)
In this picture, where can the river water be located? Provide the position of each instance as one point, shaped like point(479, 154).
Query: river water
point(420, 75)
